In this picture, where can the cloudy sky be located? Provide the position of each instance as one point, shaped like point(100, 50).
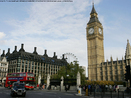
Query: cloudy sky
point(60, 27)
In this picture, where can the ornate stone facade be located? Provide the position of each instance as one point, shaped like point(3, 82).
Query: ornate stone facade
point(3, 69)
point(94, 31)
point(98, 69)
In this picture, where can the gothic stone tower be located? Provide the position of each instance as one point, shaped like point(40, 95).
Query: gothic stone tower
point(94, 31)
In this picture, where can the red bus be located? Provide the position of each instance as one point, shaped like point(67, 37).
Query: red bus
point(24, 77)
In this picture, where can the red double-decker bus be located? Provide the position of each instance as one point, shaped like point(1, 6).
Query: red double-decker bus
point(24, 77)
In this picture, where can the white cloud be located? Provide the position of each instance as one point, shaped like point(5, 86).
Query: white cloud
point(57, 27)
point(2, 34)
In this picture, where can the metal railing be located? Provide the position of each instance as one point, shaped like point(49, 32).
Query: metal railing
point(109, 94)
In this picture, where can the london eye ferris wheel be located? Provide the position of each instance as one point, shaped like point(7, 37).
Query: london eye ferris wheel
point(70, 58)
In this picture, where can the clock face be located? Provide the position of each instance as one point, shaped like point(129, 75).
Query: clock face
point(91, 30)
point(100, 31)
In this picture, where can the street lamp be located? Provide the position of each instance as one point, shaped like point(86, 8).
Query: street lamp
point(66, 84)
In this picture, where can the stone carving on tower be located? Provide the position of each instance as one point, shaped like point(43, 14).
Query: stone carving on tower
point(128, 50)
point(94, 32)
point(128, 53)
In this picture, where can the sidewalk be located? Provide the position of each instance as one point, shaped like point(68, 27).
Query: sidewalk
point(97, 94)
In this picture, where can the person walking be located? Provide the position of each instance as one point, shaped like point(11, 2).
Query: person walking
point(89, 88)
point(110, 87)
point(114, 88)
point(117, 88)
point(103, 88)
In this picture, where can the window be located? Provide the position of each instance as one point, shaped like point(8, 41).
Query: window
point(115, 67)
point(101, 73)
point(105, 67)
point(115, 72)
point(110, 68)
point(30, 75)
point(19, 60)
point(110, 72)
point(116, 78)
point(101, 78)
point(105, 72)
point(110, 78)
point(121, 72)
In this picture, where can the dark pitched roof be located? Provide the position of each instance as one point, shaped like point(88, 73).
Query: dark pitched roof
point(93, 10)
point(93, 18)
point(35, 57)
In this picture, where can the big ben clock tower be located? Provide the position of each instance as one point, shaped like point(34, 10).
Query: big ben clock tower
point(94, 32)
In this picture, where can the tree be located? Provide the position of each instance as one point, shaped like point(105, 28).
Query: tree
point(71, 70)
point(99, 82)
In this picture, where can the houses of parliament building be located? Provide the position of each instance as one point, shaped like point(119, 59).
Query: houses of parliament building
point(98, 69)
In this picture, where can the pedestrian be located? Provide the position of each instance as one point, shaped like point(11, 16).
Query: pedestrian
point(45, 86)
point(110, 87)
point(103, 88)
point(106, 87)
point(83, 87)
point(86, 87)
point(37, 86)
point(97, 88)
point(40, 85)
point(89, 88)
point(127, 90)
point(117, 88)
point(94, 88)
point(114, 88)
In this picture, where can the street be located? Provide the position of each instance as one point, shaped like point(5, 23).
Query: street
point(5, 93)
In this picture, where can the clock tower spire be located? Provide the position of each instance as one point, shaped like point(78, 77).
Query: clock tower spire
point(94, 32)
point(93, 16)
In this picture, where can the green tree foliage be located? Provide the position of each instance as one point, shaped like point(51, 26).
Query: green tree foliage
point(70, 71)
point(104, 82)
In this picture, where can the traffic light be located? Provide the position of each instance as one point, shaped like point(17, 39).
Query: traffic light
point(127, 74)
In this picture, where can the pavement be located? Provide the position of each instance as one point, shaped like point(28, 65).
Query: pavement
point(97, 94)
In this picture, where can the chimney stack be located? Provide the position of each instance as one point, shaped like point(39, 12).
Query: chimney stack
point(55, 55)
point(22, 46)
point(45, 53)
point(15, 48)
point(3, 54)
point(8, 50)
point(35, 50)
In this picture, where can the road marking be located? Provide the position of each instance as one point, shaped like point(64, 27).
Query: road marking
point(51, 92)
point(68, 94)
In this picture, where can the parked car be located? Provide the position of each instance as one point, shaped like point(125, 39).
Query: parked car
point(18, 89)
